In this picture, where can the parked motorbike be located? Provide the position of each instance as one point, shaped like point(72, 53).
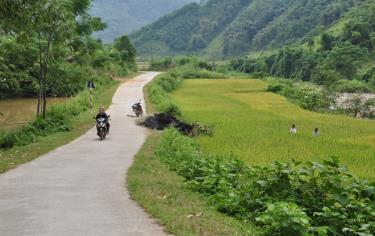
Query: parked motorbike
point(102, 128)
point(137, 109)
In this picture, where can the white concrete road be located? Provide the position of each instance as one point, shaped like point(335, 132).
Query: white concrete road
point(79, 189)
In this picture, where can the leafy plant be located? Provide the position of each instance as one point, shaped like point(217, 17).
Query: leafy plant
point(285, 219)
point(286, 198)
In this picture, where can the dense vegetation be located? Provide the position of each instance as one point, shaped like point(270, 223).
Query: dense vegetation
point(341, 60)
point(342, 63)
point(46, 49)
point(234, 27)
point(286, 199)
point(125, 16)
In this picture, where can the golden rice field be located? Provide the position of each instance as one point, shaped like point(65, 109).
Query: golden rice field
point(254, 126)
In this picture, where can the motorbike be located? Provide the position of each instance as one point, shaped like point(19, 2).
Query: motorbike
point(102, 128)
point(137, 109)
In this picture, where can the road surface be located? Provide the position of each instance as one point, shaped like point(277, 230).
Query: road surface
point(79, 189)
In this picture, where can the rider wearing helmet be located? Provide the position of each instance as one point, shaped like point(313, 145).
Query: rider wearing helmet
point(104, 115)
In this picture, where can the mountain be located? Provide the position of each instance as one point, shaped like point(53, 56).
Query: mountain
point(227, 28)
point(124, 16)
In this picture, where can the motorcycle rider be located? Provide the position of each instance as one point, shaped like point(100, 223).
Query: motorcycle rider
point(104, 115)
point(138, 106)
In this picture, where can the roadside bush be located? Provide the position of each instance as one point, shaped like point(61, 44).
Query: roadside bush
point(286, 198)
point(7, 140)
point(158, 94)
point(169, 81)
point(285, 219)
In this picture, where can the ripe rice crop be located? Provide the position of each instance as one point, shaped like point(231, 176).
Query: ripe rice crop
point(253, 125)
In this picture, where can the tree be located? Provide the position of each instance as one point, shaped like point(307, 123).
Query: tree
point(310, 43)
point(50, 24)
point(326, 42)
point(126, 49)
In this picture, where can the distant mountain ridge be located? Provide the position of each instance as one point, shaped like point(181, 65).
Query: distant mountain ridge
point(225, 28)
point(124, 16)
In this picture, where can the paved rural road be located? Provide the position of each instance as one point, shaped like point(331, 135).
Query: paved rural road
point(79, 189)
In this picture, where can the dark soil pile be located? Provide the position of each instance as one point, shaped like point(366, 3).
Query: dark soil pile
point(163, 121)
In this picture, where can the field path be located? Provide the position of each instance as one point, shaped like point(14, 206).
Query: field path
point(79, 189)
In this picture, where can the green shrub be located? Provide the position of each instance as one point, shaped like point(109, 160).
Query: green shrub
point(285, 198)
point(192, 71)
point(158, 96)
point(161, 64)
point(313, 98)
point(350, 86)
point(308, 96)
point(285, 219)
point(7, 140)
point(275, 88)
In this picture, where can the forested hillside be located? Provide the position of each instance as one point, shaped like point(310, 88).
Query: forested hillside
point(342, 58)
point(124, 16)
point(235, 27)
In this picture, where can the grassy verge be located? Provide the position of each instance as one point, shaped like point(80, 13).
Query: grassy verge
point(18, 155)
point(165, 196)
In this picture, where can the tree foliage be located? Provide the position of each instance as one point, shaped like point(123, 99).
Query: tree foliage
point(235, 27)
point(343, 61)
point(47, 49)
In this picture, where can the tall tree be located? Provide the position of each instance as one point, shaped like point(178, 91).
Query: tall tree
point(50, 23)
point(126, 49)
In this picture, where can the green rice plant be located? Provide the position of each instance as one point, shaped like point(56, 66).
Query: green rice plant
point(253, 124)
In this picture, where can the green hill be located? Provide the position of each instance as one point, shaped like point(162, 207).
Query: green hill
point(124, 16)
point(236, 27)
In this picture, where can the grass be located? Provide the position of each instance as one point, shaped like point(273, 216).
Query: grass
point(165, 196)
point(253, 125)
point(18, 155)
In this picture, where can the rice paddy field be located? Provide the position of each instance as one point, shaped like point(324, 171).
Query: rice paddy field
point(253, 125)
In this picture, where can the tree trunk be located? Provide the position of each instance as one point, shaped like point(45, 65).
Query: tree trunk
point(44, 71)
point(39, 107)
point(44, 90)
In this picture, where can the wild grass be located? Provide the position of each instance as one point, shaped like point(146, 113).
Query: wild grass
point(253, 125)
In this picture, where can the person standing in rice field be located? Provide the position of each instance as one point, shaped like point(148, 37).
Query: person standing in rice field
point(316, 132)
point(293, 129)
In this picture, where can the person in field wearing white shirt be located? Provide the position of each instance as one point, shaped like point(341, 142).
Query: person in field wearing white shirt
point(293, 130)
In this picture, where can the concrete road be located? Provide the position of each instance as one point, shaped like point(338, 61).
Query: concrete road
point(79, 189)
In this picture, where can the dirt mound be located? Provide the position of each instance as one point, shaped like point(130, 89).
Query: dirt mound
point(161, 121)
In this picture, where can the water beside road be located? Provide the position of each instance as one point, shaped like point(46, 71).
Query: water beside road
point(15, 111)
